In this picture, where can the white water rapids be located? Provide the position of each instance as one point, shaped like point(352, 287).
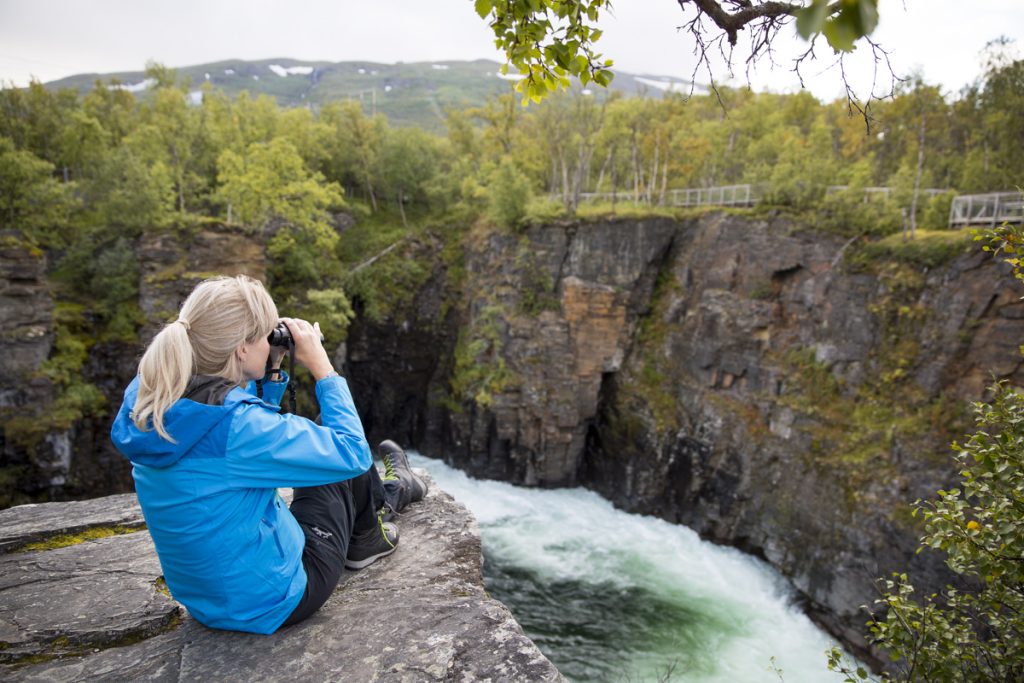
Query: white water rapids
point(611, 596)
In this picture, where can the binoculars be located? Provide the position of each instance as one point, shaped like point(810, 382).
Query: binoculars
point(281, 337)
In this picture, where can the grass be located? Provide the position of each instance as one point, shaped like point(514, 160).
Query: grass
point(928, 248)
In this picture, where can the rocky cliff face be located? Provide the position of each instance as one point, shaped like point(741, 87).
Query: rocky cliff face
point(26, 332)
point(550, 316)
point(783, 401)
point(98, 610)
point(46, 455)
point(771, 389)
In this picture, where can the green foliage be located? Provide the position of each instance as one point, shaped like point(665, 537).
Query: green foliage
point(409, 161)
point(548, 41)
point(76, 398)
point(538, 286)
point(31, 200)
point(847, 213)
point(129, 195)
point(103, 272)
point(70, 348)
point(841, 23)
point(508, 194)
point(854, 431)
point(271, 181)
point(972, 632)
point(542, 211)
point(331, 308)
point(1006, 241)
point(927, 248)
point(650, 388)
point(480, 370)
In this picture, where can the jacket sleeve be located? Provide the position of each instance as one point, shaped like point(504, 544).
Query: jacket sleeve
point(266, 449)
point(273, 392)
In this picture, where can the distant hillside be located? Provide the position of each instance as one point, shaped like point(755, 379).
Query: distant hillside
point(408, 94)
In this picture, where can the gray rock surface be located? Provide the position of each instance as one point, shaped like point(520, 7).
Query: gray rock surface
point(26, 524)
point(419, 615)
point(94, 594)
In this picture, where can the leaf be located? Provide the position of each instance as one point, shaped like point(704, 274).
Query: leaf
point(867, 15)
point(840, 34)
point(810, 19)
point(483, 7)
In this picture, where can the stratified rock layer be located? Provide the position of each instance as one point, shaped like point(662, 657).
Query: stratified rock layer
point(419, 615)
point(26, 333)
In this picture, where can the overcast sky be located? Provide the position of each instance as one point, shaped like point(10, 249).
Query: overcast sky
point(50, 39)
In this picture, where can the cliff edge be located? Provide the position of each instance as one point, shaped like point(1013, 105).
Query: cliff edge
point(98, 610)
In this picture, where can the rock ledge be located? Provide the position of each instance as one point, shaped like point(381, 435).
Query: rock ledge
point(97, 611)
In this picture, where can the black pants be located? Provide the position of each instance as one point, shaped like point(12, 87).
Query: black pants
point(329, 515)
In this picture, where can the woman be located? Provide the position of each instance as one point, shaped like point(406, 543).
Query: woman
point(208, 457)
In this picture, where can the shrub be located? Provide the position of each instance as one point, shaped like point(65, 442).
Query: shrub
point(508, 195)
point(971, 633)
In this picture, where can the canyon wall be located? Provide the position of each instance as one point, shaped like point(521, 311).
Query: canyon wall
point(775, 388)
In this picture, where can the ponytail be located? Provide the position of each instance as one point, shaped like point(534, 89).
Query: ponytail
point(164, 373)
point(217, 317)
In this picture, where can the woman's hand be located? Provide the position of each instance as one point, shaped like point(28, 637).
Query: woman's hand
point(309, 350)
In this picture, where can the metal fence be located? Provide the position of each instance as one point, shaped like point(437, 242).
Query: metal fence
point(725, 195)
point(884, 192)
point(992, 209)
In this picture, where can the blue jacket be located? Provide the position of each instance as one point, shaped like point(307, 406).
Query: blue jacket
point(230, 549)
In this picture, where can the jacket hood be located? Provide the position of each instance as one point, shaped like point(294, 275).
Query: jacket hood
point(187, 422)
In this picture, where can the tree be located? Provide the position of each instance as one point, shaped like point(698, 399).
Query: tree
point(550, 41)
point(31, 200)
point(173, 127)
point(409, 159)
point(355, 142)
point(508, 194)
point(271, 181)
point(993, 116)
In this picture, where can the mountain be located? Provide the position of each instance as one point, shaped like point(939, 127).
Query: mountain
point(411, 94)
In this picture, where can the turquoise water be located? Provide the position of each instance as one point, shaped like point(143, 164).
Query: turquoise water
point(610, 596)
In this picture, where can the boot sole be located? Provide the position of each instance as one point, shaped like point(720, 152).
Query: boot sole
point(366, 562)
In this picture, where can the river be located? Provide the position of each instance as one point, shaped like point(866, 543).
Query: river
point(612, 596)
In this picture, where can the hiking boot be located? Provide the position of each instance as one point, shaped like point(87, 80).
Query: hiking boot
point(369, 546)
point(396, 468)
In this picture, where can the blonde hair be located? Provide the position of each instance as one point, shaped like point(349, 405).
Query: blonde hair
point(217, 317)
